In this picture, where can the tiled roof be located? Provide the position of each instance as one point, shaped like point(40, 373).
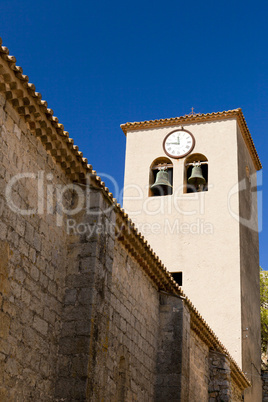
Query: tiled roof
point(28, 103)
point(196, 118)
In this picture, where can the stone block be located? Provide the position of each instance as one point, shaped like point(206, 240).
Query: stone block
point(37, 241)
point(49, 316)
point(75, 313)
point(70, 296)
point(20, 225)
point(43, 280)
point(25, 296)
point(74, 345)
point(13, 237)
point(23, 247)
point(34, 272)
point(41, 263)
point(32, 286)
point(16, 289)
point(29, 233)
point(9, 307)
point(26, 317)
point(79, 390)
point(40, 325)
point(52, 288)
point(79, 366)
point(80, 280)
point(64, 388)
point(11, 366)
point(50, 271)
point(36, 306)
point(85, 296)
point(3, 231)
point(69, 329)
point(83, 327)
point(87, 264)
point(5, 325)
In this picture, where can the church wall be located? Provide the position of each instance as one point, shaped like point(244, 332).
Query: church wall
point(249, 260)
point(32, 268)
point(173, 355)
point(108, 344)
point(199, 372)
point(134, 326)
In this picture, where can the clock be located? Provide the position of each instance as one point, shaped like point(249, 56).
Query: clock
point(178, 143)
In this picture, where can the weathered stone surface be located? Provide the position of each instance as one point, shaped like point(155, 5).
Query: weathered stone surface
point(40, 325)
point(199, 373)
point(172, 377)
point(29, 328)
point(5, 324)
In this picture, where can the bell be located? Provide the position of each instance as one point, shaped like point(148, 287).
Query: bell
point(162, 184)
point(196, 177)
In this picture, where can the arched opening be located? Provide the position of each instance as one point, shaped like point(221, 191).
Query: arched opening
point(195, 173)
point(161, 177)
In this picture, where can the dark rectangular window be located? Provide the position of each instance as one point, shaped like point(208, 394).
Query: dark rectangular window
point(177, 276)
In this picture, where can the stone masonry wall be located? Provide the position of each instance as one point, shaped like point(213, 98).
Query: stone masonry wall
point(221, 386)
point(264, 386)
point(32, 268)
point(173, 362)
point(210, 374)
point(199, 372)
point(134, 326)
point(109, 339)
point(220, 377)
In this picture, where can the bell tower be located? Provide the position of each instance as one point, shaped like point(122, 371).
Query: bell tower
point(190, 187)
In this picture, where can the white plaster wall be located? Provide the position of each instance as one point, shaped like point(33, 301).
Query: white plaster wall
point(205, 242)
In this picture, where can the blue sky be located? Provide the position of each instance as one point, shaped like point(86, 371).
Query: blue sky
point(101, 64)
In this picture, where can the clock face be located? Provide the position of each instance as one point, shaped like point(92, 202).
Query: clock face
point(178, 143)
